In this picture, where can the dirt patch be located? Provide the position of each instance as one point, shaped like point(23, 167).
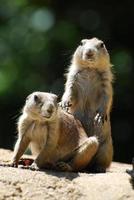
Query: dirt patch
point(33, 185)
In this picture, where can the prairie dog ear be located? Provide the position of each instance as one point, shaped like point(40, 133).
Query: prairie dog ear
point(28, 97)
point(83, 41)
point(58, 99)
point(55, 96)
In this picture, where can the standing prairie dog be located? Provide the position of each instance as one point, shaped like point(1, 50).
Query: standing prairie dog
point(88, 95)
point(55, 137)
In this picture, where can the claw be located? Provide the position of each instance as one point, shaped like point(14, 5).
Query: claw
point(14, 164)
point(68, 104)
point(99, 119)
point(65, 105)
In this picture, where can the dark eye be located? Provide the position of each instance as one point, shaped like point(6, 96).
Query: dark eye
point(101, 45)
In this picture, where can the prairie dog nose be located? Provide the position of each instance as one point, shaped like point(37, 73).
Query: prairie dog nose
point(89, 53)
point(50, 108)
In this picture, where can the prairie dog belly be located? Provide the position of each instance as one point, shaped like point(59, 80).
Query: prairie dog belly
point(89, 89)
point(38, 134)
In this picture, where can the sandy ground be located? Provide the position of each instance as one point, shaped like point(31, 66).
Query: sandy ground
point(25, 184)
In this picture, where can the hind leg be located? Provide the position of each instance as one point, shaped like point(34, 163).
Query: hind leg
point(83, 156)
point(103, 157)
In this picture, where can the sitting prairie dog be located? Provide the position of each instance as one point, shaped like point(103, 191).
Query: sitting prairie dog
point(88, 95)
point(55, 137)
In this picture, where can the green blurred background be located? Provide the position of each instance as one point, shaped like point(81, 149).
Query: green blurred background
point(37, 39)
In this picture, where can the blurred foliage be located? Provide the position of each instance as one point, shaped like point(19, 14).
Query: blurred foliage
point(37, 39)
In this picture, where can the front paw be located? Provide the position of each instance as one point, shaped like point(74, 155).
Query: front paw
point(100, 118)
point(14, 163)
point(66, 104)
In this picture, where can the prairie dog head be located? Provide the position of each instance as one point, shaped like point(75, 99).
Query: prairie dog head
point(91, 53)
point(41, 106)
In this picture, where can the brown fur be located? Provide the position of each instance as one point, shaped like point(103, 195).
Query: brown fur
point(55, 137)
point(88, 95)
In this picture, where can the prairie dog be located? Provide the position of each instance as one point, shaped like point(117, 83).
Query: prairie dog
point(88, 95)
point(55, 137)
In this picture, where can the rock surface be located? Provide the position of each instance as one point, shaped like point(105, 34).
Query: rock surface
point(23, 184)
